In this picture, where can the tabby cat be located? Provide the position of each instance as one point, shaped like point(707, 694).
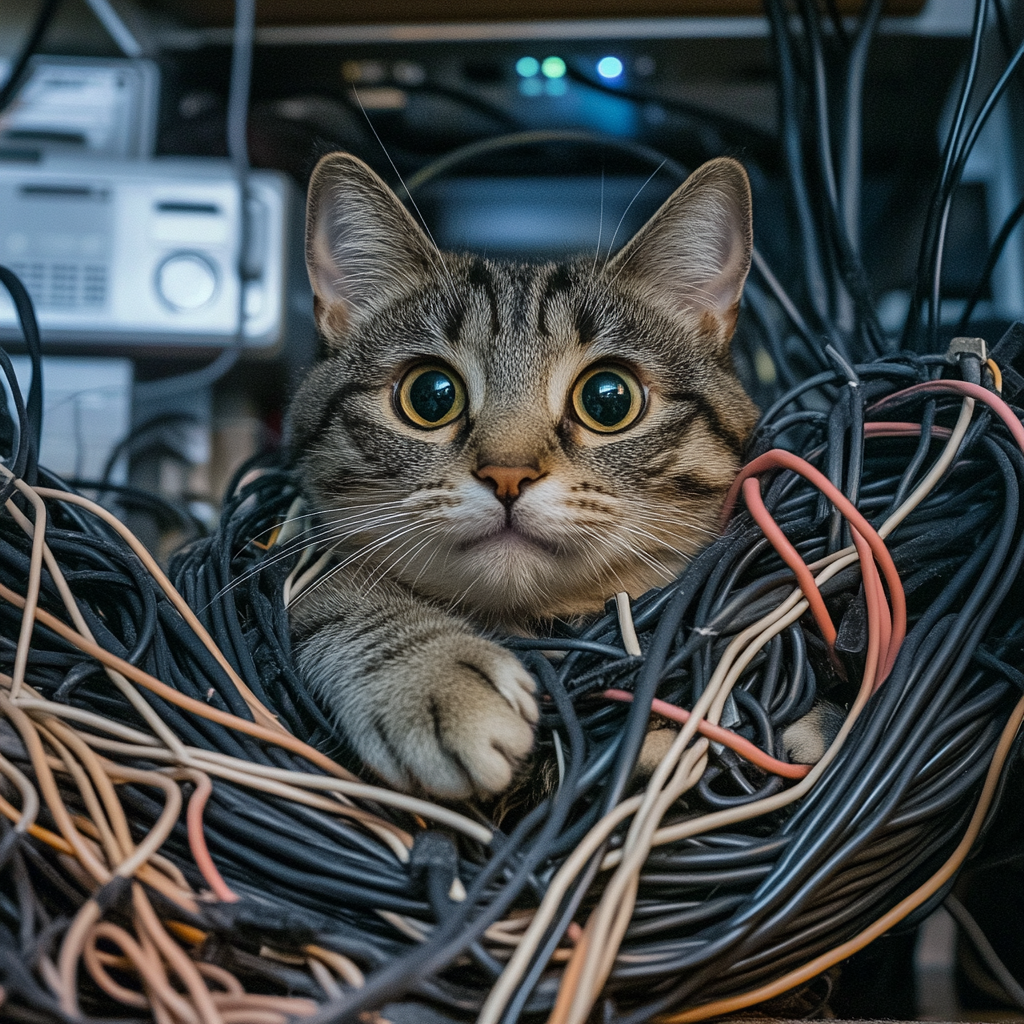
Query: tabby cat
point(492, 445)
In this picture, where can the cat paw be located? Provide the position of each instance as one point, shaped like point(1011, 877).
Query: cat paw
point(473, 721)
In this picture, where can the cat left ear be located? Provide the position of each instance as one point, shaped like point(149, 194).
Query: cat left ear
point(694, 253)
point(363, 249)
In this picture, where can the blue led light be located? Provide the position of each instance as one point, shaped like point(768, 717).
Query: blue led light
point(527, 67)
point(609, 67)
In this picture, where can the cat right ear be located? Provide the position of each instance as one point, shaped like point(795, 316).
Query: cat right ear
point(363, 249)
point(695, 252)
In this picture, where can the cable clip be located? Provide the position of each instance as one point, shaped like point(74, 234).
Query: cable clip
point(967, 347)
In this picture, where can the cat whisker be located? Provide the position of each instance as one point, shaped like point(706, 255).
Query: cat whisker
point(646, 557)
point(361, 553)
point(611, 244)
point(325, 577)
point(403, 553)
point(443, 559)
point(600, 226)
point(350, 527)
point(267, 561)
point(453, 293)
point(354, 557)
point(598, 549)
point(686, 524)
point(343, 530)
point(639, 531)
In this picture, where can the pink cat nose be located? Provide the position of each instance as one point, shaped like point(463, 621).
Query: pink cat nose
point(507, 479)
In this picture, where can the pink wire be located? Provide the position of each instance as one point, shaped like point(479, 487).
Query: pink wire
point(780, 459)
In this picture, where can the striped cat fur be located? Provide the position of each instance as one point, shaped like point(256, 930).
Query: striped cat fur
point(520, 508)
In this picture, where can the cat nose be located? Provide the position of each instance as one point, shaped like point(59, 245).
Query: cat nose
point(507, 480)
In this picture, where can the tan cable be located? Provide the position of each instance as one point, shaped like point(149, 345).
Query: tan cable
point(892, 917)
point(260, 713)
point(29, 797)
point(280, 738)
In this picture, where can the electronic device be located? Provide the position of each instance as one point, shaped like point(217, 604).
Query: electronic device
point(86, 412)
point(133, 254)
point(82, 106)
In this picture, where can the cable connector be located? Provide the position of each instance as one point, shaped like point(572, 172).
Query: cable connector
point(969, 354)
point(967, 347)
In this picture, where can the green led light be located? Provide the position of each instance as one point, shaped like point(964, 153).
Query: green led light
point(527, 67)
point(553, 67)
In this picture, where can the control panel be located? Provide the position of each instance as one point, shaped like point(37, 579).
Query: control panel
point(146, 252)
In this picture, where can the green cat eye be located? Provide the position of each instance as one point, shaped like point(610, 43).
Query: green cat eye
point(607, 398)
point(431, 396)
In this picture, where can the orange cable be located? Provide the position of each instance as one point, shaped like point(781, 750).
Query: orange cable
point(778, 458)
point(962, 388)
point(790, 555)
point(891, 918)
point(750, 751)
point(997, 374)
point(197, 838)
point(279, 738)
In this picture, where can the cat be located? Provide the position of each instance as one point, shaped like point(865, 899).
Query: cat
point(492, 445)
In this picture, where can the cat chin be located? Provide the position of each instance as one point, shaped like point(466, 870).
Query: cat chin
point(510, 583)
point(508, 542)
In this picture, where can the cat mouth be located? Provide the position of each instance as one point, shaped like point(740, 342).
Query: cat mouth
point(510, 537)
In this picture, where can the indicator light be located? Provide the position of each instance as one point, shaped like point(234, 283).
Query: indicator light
point(609, 67)
point(527, 67)
point(553, 67)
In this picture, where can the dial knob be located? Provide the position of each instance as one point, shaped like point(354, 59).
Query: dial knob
point(186, 281)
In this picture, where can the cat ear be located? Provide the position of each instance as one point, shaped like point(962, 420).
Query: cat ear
point(694, 253)
point(363, 249)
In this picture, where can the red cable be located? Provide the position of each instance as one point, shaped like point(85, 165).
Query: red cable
point(779, 459)
point(790, 555)
point(964, 390)
point(197, 839)
point(885, 428)
point(726, 737)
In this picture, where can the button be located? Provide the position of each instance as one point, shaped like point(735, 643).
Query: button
point(186, 281)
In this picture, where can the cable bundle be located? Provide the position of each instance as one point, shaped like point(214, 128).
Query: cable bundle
point(176, 845)
point(730, 876)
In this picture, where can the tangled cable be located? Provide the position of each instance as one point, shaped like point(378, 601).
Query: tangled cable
point(170, 845)
point(184, 839)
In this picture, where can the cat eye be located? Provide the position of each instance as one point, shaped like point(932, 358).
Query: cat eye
point(607, 398)
point(431, 396)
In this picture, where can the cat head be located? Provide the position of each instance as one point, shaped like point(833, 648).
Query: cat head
point(521, 441)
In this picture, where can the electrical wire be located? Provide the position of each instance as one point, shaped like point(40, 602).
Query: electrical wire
point(20, 63)
point(243, 38)
point(169, 844)
point(1007, 982)
point(994, 253)
point(651, 866)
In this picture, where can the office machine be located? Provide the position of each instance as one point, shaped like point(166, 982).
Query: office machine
point(144, 255)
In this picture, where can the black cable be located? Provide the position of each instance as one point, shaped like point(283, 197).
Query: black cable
point(994, 252)
point(790, 122)
point(741, 132)
point(19, 65)
point(34, 405)
point(243, 38)
point(1007, 982)
point(519, 140)
point(954, 180)
point(715, 914)
point(927, 256)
